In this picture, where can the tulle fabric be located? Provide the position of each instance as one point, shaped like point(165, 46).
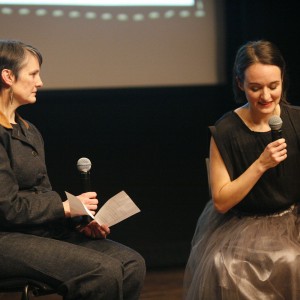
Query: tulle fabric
point(244, 257)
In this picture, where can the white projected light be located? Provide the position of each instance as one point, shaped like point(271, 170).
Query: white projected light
point(104, 2)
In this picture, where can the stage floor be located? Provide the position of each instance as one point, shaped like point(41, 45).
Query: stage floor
point(160, 284)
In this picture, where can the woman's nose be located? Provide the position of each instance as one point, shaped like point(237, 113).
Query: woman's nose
point(265, 94)
point(39, 82)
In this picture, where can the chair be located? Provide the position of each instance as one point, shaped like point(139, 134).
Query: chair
point(26, 287)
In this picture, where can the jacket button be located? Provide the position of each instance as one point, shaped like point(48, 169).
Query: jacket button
point(34, 153)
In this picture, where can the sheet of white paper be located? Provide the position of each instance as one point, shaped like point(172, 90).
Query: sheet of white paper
point(115, 210)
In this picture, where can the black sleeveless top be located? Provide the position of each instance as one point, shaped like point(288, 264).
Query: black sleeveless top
point(240, 147)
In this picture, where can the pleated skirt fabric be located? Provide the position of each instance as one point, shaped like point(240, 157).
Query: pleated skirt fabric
point(244, 257)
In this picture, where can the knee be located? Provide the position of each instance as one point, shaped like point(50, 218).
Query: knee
point(218, 260)
point(101, 281)
point(111, 273)
point(136, 267)
point(134, 275)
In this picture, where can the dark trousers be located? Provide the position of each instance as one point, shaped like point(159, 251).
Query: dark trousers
point(78, 267)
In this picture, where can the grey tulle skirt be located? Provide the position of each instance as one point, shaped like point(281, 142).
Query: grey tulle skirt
point(234, 257)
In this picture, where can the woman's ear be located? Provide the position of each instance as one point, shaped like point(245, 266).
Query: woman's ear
point(7, 77)
point(239, 84)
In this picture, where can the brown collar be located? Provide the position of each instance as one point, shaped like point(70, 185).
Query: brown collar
point(5, 123)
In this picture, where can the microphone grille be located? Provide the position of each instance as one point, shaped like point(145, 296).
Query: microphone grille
point(84, 164)
point(275, 123)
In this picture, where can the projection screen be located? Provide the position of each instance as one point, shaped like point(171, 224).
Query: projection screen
point(118, 43)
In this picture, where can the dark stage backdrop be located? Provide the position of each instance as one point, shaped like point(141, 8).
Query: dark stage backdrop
point(152, 142)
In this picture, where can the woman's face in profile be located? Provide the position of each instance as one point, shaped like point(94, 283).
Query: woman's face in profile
point(26, 85)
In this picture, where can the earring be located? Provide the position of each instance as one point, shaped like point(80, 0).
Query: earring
point(11, 96)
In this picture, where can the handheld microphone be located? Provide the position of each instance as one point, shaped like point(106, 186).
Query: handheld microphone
point(84, 166)
point(275, 123)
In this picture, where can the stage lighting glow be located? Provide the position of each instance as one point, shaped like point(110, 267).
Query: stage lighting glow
point(102, 2)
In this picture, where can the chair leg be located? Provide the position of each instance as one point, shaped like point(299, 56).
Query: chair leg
point(25, 293)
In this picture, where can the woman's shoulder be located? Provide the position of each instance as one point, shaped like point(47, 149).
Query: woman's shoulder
point(227, 120)
point(227, 124)
point(290, 107)
point(291, 111)
point(226, 115)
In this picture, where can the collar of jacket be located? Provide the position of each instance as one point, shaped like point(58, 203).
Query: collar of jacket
point(5, 123)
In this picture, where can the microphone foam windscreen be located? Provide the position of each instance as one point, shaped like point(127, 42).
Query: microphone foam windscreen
point(84, 164)
point(275, 123)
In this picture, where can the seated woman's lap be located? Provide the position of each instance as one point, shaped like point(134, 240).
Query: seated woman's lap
point(58, 261)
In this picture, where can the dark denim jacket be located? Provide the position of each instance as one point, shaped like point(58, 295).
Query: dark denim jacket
point(27, 202)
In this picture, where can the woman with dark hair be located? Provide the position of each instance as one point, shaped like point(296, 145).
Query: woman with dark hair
point(247, 243)
point(36, 239)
